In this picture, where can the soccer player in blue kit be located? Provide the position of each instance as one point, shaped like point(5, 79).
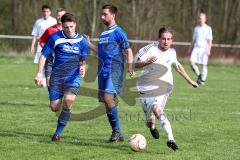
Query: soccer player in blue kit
point(112, 48)
point(71, 52)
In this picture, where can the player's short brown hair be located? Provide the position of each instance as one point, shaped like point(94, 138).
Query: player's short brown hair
point(113, 9)
point(164, 30)
point(68, 17)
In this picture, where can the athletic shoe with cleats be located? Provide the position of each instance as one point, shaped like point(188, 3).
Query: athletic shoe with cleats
point(154, 133)
point(116, 136)
point(56, 138)
point(172, 144)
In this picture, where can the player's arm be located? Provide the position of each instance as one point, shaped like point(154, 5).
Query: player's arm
point(41, 64)
point(209, 46)
point(34, 39)
point(194, 36)
point(83, 58)
point(179, 68)
point(83, 68)
point(140, 64)
point(191, 46)
point(129, 54)
point(46, 51)
point(90, 44)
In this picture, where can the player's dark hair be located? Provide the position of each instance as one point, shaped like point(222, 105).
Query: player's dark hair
point(68, 17)
point(60, 10)
point(113, 9)
point(45, 6)
point(164, 30)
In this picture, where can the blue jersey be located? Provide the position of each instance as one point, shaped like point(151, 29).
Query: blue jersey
point(111, 44)
point(68, 53)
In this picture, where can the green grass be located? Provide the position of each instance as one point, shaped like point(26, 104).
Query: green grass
point(205, 121)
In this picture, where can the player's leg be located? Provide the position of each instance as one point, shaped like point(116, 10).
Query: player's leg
point(112, 114)
point(112, 86)
point(204, 71)
point(110, 106)
point(65, 114)
point(158, 110)
point(55, 98)
point(150, 122)
point(193, 60)
point(55, 105)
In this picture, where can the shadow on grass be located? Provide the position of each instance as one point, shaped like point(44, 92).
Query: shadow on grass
point(76, 141)
point(22, 85)
point(27, 135)
point(19, 104)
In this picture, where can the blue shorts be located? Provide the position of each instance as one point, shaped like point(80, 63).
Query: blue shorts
point(110, 82)
point(58, 93)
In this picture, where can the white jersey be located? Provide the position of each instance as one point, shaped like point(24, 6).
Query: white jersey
point(41, 25)
point(38, 29)
point(157, 74)
point(201, 35)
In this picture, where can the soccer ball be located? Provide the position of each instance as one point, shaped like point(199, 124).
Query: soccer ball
point(137, 142)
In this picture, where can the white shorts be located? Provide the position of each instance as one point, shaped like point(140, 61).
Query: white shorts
point(149, 102)
point(199, 55)
point(38, 54)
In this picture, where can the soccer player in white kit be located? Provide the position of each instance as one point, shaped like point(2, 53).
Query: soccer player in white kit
point(39, 28)
point(200, 48)
point(156, 81)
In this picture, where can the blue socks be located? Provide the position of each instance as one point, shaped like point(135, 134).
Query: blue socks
point(113, 118)
point(63, 120)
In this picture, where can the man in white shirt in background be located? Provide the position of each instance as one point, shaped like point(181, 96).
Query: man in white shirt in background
point(200, 48)
point(39, 28)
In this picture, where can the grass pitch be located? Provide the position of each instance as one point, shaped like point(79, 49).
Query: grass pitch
point(205, 121)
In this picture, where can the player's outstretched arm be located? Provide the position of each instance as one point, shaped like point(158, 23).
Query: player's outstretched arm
point(179, 68)
point(129, 54)
point(41, 64)
point(91, 45)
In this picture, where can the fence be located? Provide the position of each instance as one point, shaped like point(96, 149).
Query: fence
point(222, 52)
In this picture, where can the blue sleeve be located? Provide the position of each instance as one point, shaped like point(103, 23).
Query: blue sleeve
point(122, 39)
point(84, 50)
point(48, 47)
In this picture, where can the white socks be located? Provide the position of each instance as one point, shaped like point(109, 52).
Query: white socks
point(204, 73)
point(166, 126)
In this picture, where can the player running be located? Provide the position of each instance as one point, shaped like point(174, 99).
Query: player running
point(42, 40)
point(200, 48)
point(71, 52)
point(112, 47)
point(156, 81)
